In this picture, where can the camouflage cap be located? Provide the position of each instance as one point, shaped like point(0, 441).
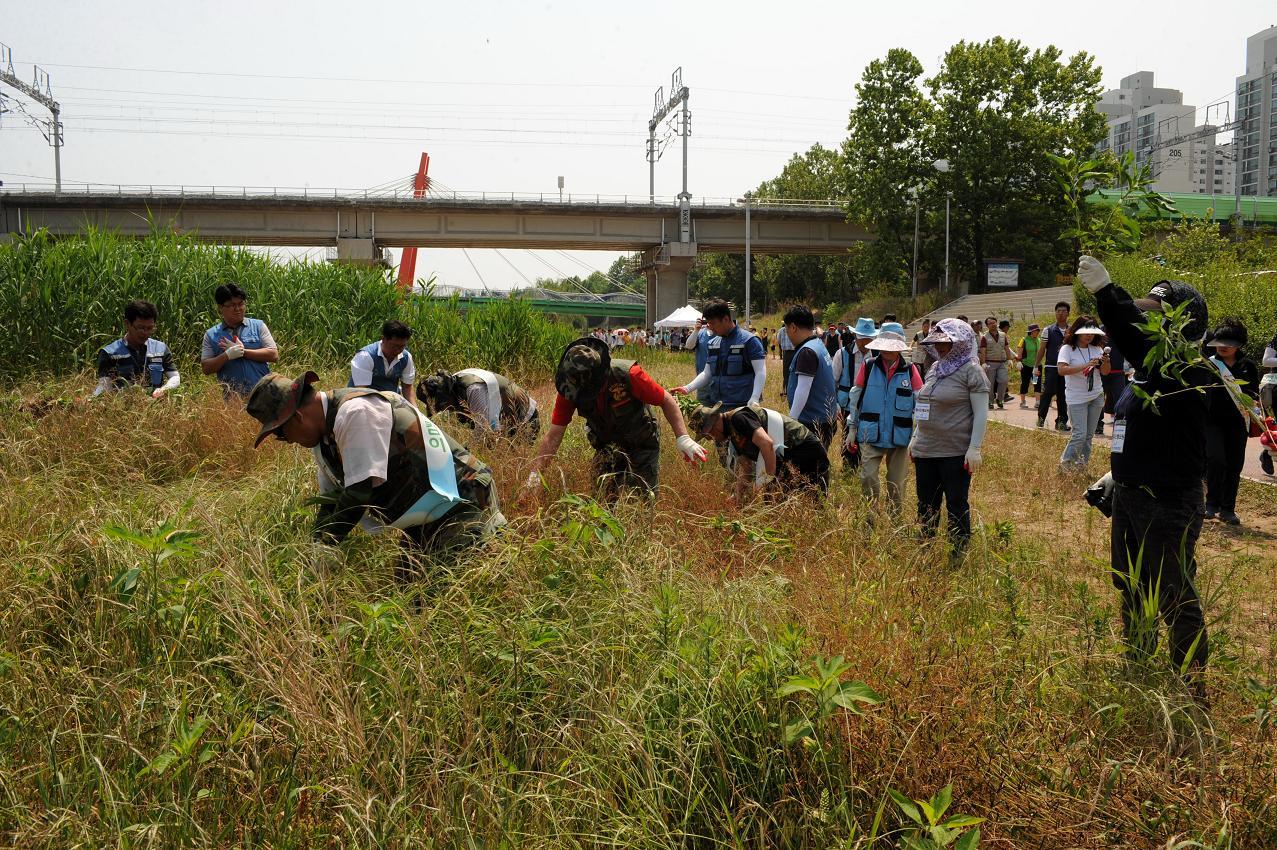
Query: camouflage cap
point(581, 367)
point(437, 389)
point(701, 417)
point(273, 401)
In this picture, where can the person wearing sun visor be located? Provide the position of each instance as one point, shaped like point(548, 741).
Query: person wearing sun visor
point(614, 397)
point(1158, 462)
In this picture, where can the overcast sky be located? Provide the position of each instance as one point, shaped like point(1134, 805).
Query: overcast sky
point(507, 96)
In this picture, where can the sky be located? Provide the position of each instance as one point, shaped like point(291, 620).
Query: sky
point(508, 96)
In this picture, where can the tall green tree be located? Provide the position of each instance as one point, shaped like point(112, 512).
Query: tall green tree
point(1000, 111)
point(886, 157)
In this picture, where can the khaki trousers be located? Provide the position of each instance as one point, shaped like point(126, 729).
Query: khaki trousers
point(897, 472)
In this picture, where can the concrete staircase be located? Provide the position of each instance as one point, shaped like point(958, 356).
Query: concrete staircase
point(1017, 305)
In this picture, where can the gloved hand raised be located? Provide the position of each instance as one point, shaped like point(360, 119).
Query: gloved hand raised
point(693, 452)
point(973, 460)
point(1092, 273)
point(235, 351)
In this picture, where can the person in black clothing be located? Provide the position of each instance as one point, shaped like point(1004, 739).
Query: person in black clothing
point(1115, 381)
point(1228, 427)
point(1052, 381)
point(1158, 461)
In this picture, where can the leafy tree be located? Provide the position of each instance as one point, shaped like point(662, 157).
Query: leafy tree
point(886, 155)
point(1000, 110)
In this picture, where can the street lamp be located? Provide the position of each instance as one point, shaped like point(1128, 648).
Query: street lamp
point(745, 201)
point(942, 165)
point(913, 193)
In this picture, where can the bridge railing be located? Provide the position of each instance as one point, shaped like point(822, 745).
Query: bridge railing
point(163, 190)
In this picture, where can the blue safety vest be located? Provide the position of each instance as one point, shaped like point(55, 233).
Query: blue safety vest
point(242, 374)
point(703, 336)
point(821, 399)
point(122, 359)
point(886, 407)
point(733, 373)
point(392, 381)
point(847, 379)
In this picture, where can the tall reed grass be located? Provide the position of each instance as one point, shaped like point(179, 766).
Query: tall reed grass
point(63, 299)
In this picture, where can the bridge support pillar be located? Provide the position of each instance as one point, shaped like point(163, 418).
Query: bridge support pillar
point(666, 267)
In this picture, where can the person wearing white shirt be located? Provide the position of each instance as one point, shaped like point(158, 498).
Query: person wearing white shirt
point(386, 364)
point(1082, 364)
point(382, 465)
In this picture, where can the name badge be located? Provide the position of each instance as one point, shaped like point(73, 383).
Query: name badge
point(1119, 437)
point(921, 411)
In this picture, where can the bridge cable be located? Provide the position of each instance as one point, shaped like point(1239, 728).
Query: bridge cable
point(476, 269)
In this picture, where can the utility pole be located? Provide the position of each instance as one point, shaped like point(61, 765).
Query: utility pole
point(41, 92)
point(747, 259)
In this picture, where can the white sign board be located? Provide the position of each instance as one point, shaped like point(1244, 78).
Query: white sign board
point(1004, 275)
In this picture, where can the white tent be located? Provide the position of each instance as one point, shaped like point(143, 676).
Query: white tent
point(683, 317)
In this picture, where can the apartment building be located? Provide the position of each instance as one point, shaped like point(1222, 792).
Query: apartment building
point(1255, 140)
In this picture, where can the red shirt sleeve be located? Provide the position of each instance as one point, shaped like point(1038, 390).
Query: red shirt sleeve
point(860, 376)
point(564, 410)
point(644, 388)
point(915, 377)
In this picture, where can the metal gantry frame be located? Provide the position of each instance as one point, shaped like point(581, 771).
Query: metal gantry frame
point(39, 90)
point(679, 96)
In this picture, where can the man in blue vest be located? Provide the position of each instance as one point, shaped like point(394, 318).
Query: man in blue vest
point(881, 417)
point(237, 348)
point(698, 341)
point(136, 358)
point(811, 389)
point(736, 366)
point(386, 365)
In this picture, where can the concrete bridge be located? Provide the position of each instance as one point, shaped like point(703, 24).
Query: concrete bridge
point(360, 226)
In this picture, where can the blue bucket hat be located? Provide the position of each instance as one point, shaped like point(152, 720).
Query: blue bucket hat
point(865, 328)
point(892, 327)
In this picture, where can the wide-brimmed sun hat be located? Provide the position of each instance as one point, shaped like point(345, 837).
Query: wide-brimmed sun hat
point(1089, 329)
point(888, 341)
point(865, 327)
point(273, 401)
point(936, 335)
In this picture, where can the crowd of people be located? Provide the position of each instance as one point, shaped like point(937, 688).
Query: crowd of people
point(1179, 431)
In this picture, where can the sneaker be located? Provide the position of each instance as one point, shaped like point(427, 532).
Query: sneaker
point(1060, 426)
point(1024, 406)
point(1230, 518)
point(1209, 512)
point(1000, 407)
point(991, 405)
point(1099, 429)
point(1266, 462)
point(1041, 423)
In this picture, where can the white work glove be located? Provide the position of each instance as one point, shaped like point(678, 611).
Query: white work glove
point(234, 351)
point(1092, 274)
point(973, 460)
point(692, 451)
point(533, 482)
point(763, 480)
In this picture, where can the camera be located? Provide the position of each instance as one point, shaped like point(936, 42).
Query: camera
point(1100, 495)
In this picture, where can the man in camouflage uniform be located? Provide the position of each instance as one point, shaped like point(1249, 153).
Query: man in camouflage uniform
point(765, 445)
point(614, 397)
point(486, 401)
point(382, 464)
